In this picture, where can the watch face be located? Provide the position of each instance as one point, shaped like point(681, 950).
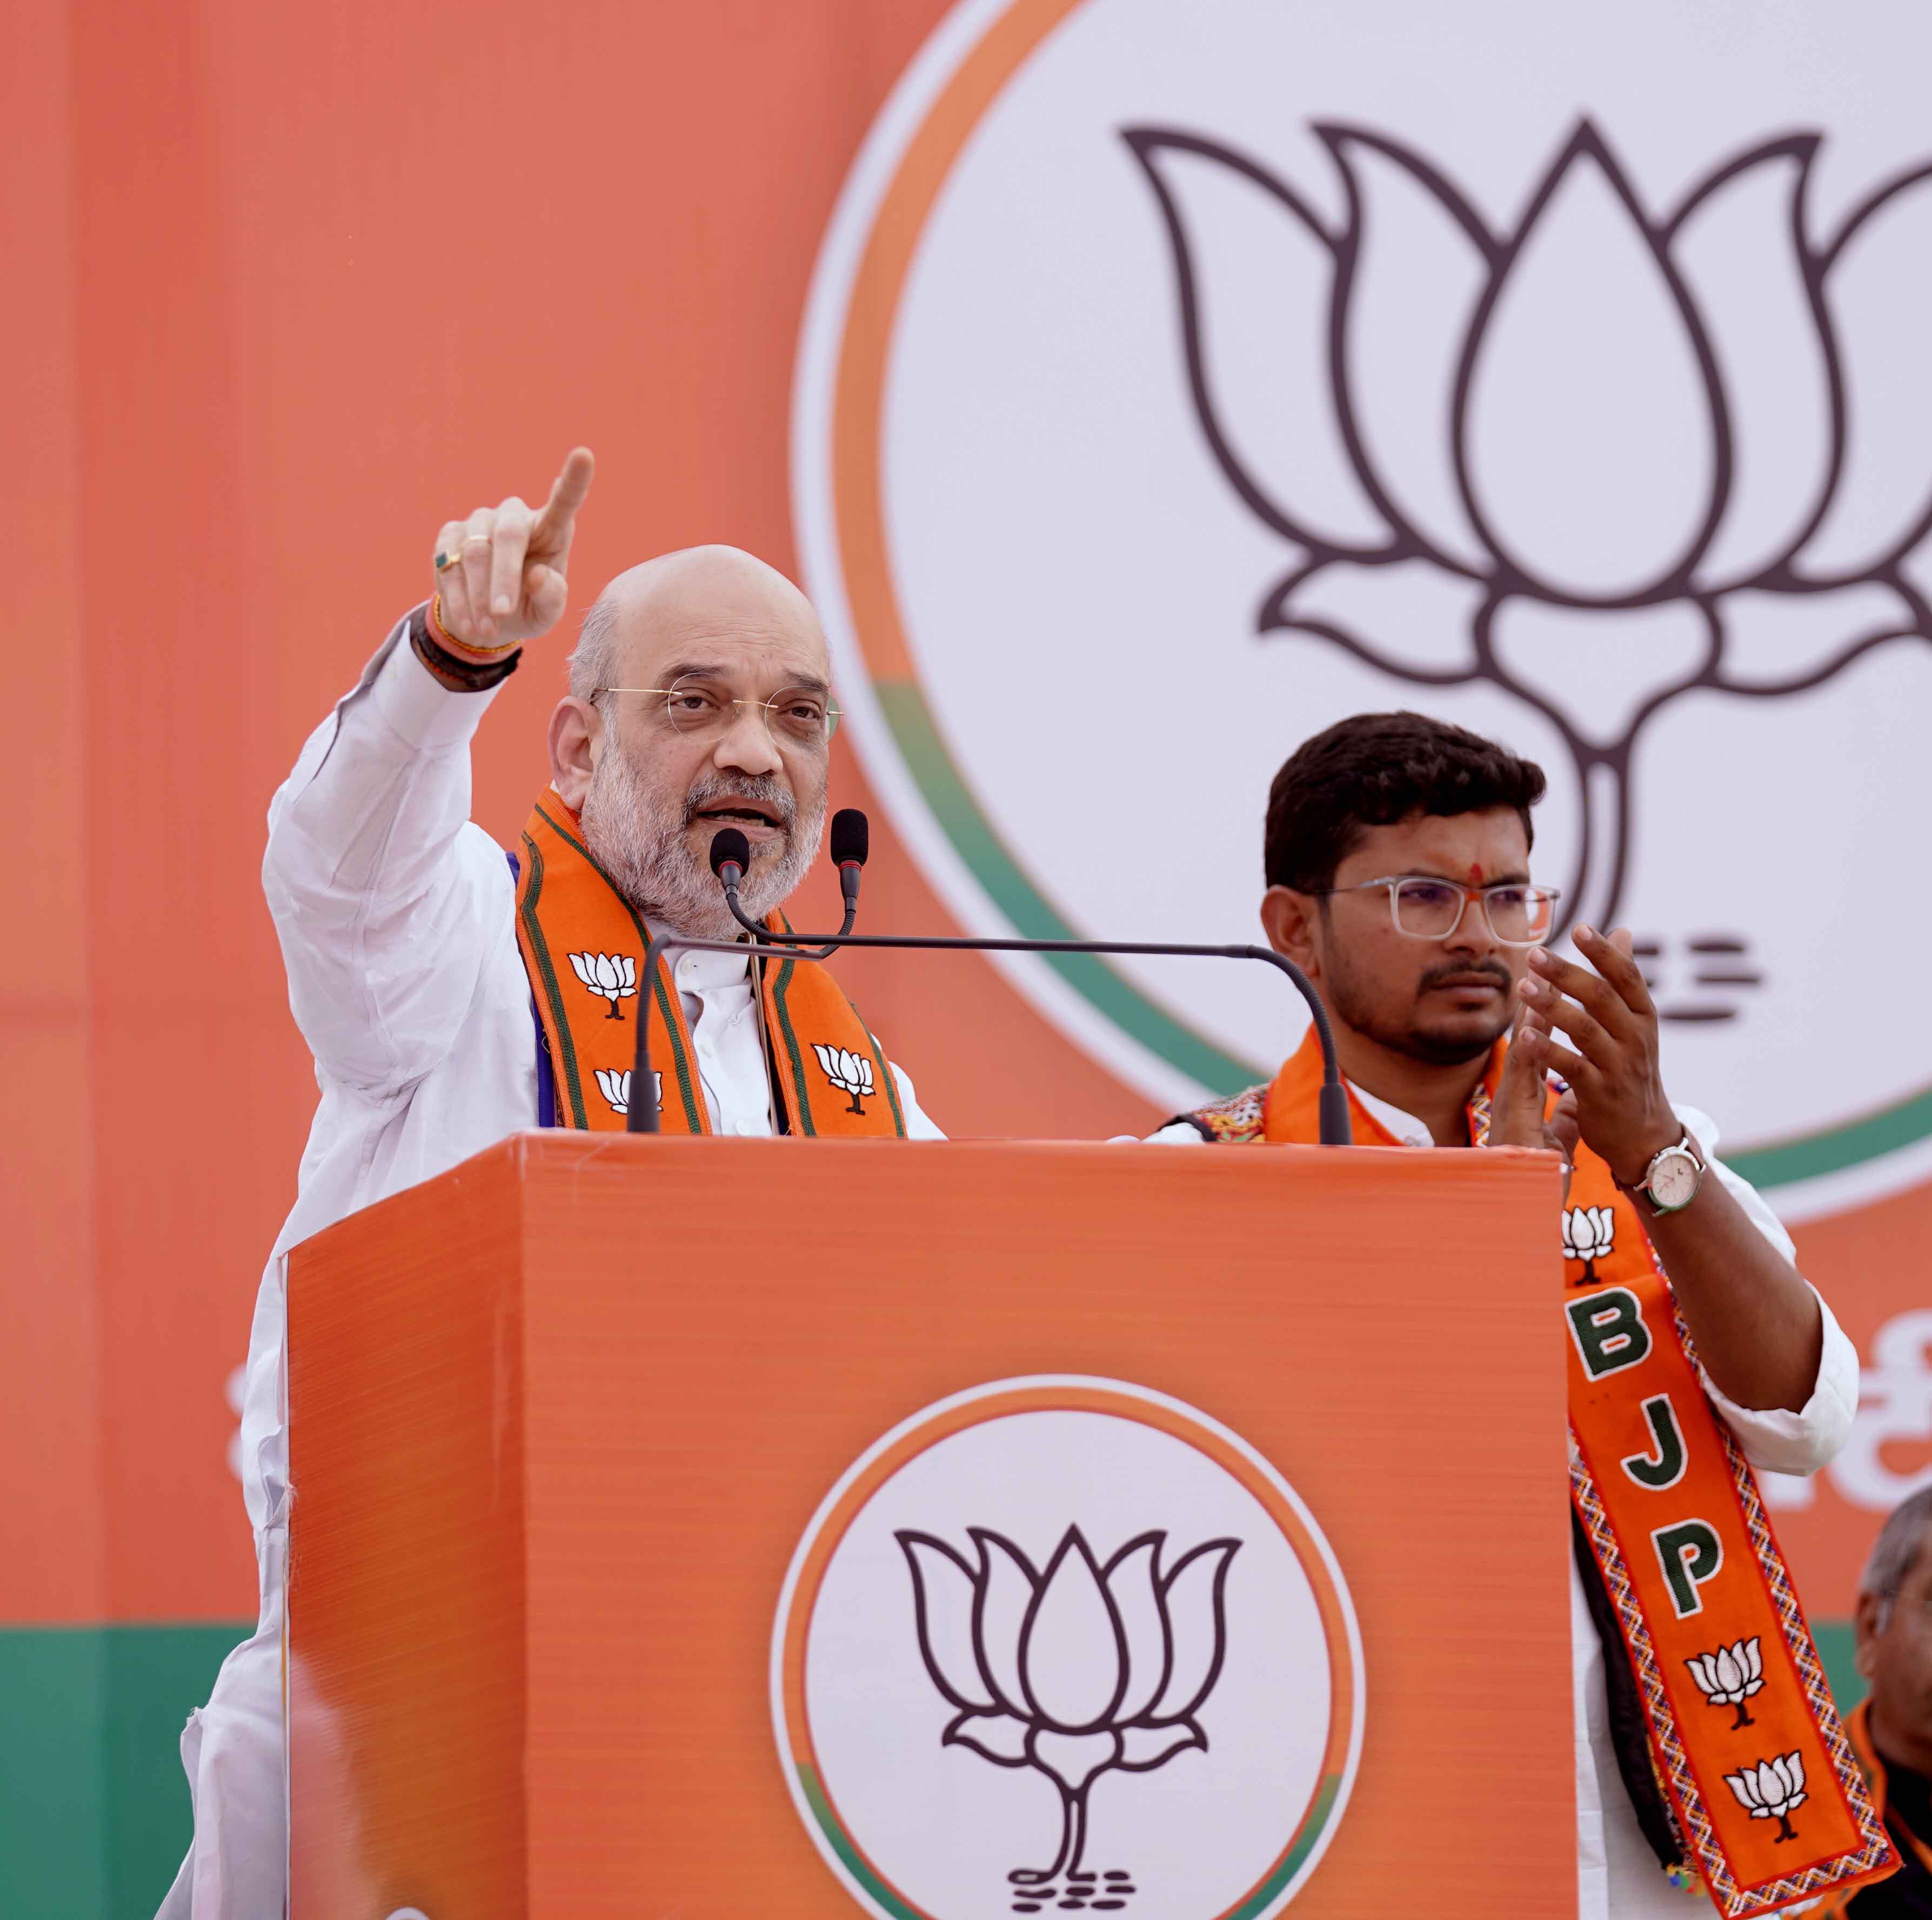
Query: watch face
point(1673, 1179)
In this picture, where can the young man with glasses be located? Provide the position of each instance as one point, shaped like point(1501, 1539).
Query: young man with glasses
point(451, 996)
point(1397, 860)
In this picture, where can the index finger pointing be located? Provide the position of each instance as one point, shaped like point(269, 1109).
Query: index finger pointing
point(553, 530)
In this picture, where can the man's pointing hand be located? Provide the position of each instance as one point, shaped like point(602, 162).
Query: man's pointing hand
point(502, 572)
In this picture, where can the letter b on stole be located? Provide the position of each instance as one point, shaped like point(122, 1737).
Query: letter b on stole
point(1608, 1328)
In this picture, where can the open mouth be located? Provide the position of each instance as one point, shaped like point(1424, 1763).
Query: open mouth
point(742, 813)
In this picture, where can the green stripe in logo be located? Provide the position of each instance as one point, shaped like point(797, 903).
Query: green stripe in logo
point(1837, 1148)
point(1033, 917)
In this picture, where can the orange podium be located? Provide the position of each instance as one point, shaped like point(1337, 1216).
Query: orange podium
point(686, 1527)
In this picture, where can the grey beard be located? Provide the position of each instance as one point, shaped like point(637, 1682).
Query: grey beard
point(639, 842)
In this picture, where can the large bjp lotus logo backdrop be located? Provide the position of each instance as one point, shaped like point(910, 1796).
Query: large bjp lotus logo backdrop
point(1179, 379)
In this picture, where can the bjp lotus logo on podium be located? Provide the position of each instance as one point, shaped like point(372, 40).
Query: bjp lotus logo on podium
point(1178, 381)
point(1078, 1668)
point(979, 1715)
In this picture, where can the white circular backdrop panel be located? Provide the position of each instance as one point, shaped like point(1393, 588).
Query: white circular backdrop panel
point(1620, 451)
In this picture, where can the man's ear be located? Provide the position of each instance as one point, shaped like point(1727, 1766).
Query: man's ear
point(1293, 924)
point(1865, 1626)
point(576, 741)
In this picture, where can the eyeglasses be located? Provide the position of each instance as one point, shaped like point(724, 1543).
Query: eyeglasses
point(1919, 1604)
point(804, 717)
point(1427, 909)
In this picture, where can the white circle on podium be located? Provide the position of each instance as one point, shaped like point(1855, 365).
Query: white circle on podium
point(1060, 1644)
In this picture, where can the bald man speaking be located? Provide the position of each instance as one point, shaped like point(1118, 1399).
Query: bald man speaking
point(451, 996)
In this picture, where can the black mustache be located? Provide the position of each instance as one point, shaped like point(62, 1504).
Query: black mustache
point(1465, 974)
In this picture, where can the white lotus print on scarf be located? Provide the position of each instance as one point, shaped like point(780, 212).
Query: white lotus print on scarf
point(851, 1073)
point(1729, 1677)
point(1588, 1234)
point(611, 977)
point(1773, 1789)
point(615, 1085)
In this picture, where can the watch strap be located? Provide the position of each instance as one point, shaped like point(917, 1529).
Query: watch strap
point(1685, 1142)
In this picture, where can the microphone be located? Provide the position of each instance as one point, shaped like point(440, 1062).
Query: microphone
point(730, 849)
point(851, 840)
point(730, 855)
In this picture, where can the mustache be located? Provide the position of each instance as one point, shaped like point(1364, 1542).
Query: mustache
point(1464, 973)
point(719, 790)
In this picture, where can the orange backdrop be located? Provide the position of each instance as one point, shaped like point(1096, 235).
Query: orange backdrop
point(288, 292)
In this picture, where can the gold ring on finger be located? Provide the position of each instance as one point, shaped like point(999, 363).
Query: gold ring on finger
point(447, 559)
point(476, 539)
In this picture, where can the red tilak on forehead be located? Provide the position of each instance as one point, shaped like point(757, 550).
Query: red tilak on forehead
point(1475, 874)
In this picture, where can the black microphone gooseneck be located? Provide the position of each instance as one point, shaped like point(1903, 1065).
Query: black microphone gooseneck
point(730, 855)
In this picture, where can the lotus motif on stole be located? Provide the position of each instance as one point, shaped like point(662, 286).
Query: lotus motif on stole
point(1772, 1789)
point(1720, 497)
point(1589, 1233)
point(851, 1073)
point(1730, 1675)
point(611, 977)
point(1075, 1669)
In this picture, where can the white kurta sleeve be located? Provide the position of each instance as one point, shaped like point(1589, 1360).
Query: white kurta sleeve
point(386, 900)
point(917, 1126)
point(1774, 1438)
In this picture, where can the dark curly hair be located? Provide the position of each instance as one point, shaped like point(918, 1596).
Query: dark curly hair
point(1373, 769)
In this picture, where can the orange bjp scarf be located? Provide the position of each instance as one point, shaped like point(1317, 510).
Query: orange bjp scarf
point(1744, 1743)
point(583, 946)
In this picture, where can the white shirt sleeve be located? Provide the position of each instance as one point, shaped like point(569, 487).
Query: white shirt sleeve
point(1176, 1133)
point(1774, 1438)
point(917, 1126)
point(386, 900)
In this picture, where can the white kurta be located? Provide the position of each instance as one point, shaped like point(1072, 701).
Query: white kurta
point(397, 920)
point(1617, 1874)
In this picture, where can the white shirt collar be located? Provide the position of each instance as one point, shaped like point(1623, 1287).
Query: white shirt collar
point(1407, 1129)
point(705, 973)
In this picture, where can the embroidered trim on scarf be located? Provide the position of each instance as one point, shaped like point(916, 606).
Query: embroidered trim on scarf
point(1736, 1789)
point(838, 1083)
point(1235, 1121)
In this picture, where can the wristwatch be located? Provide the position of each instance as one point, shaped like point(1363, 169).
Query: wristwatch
point(1671, 1181)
